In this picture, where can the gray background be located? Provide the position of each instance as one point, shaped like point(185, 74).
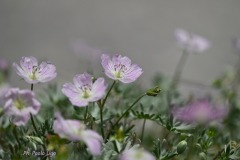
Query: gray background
point(140, 29)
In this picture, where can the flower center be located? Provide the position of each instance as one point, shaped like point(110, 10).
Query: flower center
point(34, 70)
point(86, 89)
point(119, 69)
point(19, 104)
point(138, 155)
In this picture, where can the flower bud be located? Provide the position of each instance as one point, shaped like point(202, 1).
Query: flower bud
point(153, 91)
point(181, 147)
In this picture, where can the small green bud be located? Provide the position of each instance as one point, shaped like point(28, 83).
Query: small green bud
point(153, 91)
point(202, 156)
point(181, 147)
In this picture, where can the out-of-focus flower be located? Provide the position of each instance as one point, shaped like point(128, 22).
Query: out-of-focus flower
point(33, 73)
point(3, 64)
point(84, 90)
point(190, 42)
point(136, 154)
point(201, 112)
point(4, 87)
point(236, 43)
point(76, 131)
point(120, 68)
point(19, 104)
point(82, 49)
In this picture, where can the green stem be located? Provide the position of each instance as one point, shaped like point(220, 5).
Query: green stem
point(101, 106)
point(143, 128)
point(101, 118)
point(33, 123)
point(129, 108)
point(104, 100)
point(86, 113)
point(16, 136)
point(179, 68)
point(31, 87)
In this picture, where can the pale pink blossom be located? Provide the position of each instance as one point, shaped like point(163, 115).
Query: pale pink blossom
point(3, 64)
point(202, 112)
point(19, 104)
point(83, 90)
point(76, 131)
point(33, 73)
point(191, 42)
point(136, 154)
point(120, 68)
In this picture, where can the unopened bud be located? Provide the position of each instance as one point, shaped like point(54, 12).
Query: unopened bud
point(154, 91)
point(181, 147)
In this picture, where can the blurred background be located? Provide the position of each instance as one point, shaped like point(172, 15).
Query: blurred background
point(69, 33)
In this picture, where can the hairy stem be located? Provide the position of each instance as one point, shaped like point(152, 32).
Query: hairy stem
point(104, 100)
point(129, 108)
point(31, 87)
point(143, 128)
point(179, 68)
point(33, 123)
point(86, 113)
point(101, 118)
point(16, 136)
point(101, 106)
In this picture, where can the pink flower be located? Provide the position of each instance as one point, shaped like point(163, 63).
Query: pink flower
point(3, 64)
point(136, 154)
point(236, 43)
point(120, 68)
point(201, 112)
point(4, 87)
point(19, 104)
point(33, 73)
point(190, 42)
point(84, 90)
point(82, 49)
point(76, 131)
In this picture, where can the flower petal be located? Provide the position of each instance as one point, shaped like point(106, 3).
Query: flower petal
point(132, 74)
point(82, 79)
point(47, 72)
point(98, 89)
point(93, 141)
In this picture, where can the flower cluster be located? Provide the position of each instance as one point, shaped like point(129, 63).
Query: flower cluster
point(93, 130)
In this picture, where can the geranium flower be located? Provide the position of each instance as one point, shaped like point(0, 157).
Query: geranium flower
point(19, 104)
point(82, 49)
point(84, 90)
point(120, 68)
point(76, 131)
point(3, 64)
point(136, 154)
point(33, 73)
point(201, 112)
point(4, 87)
point(236, 43)
point(190, 42)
